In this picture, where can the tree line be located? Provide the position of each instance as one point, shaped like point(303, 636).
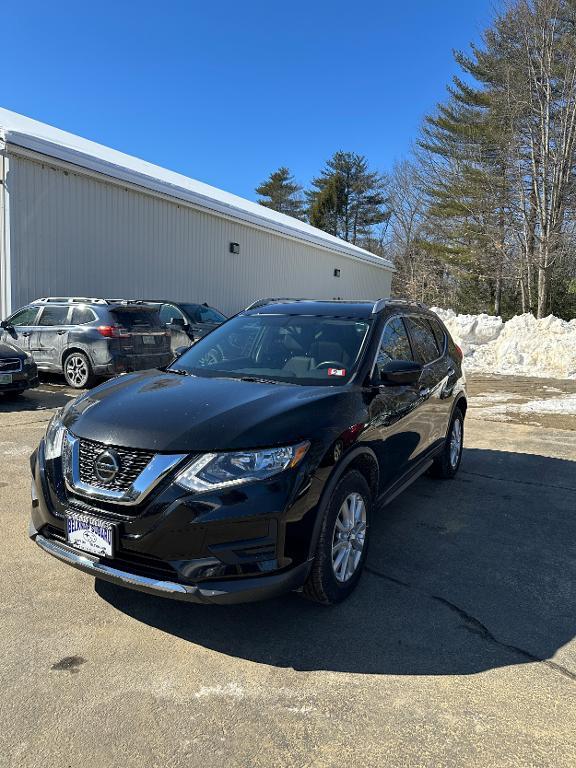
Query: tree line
point(347, 199)
point(482, 215)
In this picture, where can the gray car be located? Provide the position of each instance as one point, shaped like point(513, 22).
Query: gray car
point(85, 338)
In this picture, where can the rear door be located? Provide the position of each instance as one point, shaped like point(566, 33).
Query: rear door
point(50, 336)
point(435, 400)
point(22, 323)
point(394, 409)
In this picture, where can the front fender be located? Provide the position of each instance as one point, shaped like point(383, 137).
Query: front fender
point(353, 456)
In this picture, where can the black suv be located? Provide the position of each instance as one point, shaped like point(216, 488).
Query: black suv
point(254, 463)
point(187, 322)
point(84, 338)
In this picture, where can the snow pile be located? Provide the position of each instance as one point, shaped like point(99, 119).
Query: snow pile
point(523, 346)
point(565, 406)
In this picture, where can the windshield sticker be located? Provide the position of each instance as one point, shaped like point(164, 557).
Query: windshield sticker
point(336, 371)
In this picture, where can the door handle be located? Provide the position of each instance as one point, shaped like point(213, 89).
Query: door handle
point(60, 333)
point(26, 334)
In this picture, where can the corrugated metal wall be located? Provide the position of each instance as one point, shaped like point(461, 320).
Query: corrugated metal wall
point(72, 234)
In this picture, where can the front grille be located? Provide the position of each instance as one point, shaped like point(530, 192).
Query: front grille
point(10, 365)
point(131, 462)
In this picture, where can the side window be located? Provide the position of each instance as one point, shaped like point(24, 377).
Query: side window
point(169, 313)
point(425, 346)
point(439, 334)
point(82, 315)
point(53, 316)
point(209, 315)
point(25, 316)
point(394, 344)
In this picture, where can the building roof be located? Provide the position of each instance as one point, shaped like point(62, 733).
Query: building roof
point(38, 137)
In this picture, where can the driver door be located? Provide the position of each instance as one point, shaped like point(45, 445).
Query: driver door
point(21, 326)
point(394, 410)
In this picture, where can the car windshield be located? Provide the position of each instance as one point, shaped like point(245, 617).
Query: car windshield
point(294, 349)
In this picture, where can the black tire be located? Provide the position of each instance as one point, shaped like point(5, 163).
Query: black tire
point(445, 464)
point(78, 370)
point(322, 585)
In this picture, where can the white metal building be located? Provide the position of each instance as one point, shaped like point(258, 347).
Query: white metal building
point(78, 218)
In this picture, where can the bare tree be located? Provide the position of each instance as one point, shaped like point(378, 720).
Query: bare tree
point(543, 98)
point(419, 275)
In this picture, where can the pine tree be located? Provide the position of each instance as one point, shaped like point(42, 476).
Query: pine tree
point(281, 193)
point(327, 206)
point(348, 199)
point(499, 157)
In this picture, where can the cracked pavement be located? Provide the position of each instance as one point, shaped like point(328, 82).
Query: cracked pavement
point(457, 649)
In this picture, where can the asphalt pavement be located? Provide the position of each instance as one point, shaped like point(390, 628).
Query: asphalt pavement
point(457, 649)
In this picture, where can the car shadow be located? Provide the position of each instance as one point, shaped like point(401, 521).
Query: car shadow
point(51, 393)
point(462, 576)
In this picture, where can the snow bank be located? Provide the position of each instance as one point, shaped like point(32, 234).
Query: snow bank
point(523, 346)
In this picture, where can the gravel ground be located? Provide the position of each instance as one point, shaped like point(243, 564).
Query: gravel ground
point(456, 650)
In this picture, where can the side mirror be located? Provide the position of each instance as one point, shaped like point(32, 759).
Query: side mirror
point(177, 322)
point(7, 325)
point(179, 351)
point(398, 372)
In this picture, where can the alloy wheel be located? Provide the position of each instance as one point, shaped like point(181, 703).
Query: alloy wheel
point(77, 371)
point(349, 537)
point(455, 443)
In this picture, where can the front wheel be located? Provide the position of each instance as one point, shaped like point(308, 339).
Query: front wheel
point(77, 370)
point(447, 462)
point(343, 541)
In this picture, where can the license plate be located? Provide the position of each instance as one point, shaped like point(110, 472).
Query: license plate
point(150, 340)
point(5, 378)
point(90, 534)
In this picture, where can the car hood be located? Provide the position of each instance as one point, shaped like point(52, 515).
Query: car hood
point(10, 350)
point(180, 414)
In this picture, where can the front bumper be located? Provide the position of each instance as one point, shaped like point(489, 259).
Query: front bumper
point(21, 381)
point(218, 548)
point(238, 591)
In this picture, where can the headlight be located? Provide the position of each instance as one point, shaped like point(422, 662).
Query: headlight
point(54, 437)
point(222, 470)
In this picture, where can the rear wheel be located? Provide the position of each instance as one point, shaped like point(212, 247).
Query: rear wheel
point(78, 371)
point(446, 464)
point(343, 542)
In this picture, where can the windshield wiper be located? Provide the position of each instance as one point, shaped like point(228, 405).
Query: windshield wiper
point(179, 371)
point(261, 380)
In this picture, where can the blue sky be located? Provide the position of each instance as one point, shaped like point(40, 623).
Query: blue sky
point(229, 90)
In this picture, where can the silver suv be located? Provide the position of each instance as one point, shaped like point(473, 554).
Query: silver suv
point(85, 338)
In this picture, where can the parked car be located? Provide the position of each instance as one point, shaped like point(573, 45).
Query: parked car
point(255, 463)
point(18, 371)
point(188, 322)
point(85, 338)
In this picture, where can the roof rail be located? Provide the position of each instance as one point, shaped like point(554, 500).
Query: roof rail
point(68, 300)
point(381, 303)
point(131, 301)
point(379, 306)
point(263, 302)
